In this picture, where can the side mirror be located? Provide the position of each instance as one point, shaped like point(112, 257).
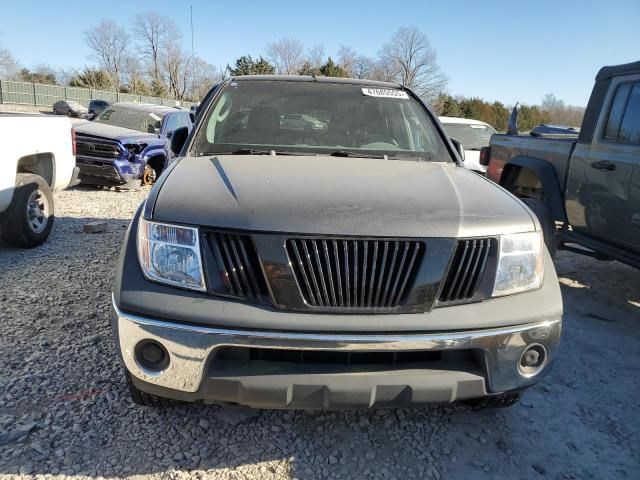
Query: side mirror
point(512, 123)
point(192, 117)
point(458, 146)
point(485, 156)
point(178, 139)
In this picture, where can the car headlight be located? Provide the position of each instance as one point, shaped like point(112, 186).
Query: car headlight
point(170, 254)
point(520, 263)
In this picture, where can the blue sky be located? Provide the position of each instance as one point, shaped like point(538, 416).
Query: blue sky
point(498, 50)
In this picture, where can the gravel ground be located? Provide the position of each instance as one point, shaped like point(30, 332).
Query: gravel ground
point(65, 411)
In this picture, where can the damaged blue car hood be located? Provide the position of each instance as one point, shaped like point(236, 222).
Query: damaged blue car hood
point(112, 132)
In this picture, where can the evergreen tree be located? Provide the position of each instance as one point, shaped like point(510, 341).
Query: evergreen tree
point(331, 69)
point(246, 65)
point(449, 106)
point(307, 69)
point(92, 78)
point(41, 74)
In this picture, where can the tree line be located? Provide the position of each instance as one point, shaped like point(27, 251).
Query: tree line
point(550, 111)
point(147, 59)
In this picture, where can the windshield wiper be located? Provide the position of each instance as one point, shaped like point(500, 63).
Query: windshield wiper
point(349, 154)
point(253, 151)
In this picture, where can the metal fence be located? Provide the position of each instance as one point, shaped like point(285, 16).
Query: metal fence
point(39, 95)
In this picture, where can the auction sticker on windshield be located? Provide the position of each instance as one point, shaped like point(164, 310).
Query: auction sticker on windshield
point(385, 93)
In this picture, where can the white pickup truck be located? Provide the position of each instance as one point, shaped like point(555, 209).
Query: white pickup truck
point(38, 157)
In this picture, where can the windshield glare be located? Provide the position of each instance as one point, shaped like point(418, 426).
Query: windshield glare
point(132, 118)
point(320, 118)
point(472, 136)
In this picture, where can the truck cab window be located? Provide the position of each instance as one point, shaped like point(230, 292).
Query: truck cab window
point(616, 112)
point(630, 127)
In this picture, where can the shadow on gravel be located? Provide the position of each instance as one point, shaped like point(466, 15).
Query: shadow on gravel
point(608, 291)
point(65, 242)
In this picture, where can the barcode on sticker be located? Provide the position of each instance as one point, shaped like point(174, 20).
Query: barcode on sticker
point(385, 93)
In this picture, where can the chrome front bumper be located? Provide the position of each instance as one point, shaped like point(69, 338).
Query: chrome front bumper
point(191, 346)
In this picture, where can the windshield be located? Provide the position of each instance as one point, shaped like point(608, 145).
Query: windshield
point(318, 118)
point(472, 136)
point(132, 118)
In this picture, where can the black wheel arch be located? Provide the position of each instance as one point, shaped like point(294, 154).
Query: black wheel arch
point(536, 178)
point(158, 161)
point(42, 164)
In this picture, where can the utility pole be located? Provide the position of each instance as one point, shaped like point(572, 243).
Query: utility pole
point(191, 9)
point(193, 80)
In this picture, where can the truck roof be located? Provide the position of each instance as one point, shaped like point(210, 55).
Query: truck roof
point(147, 107)
point(606, 73)
point(465, 121)
point(320, 79)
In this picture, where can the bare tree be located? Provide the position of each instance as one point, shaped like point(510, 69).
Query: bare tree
point(347, 57)
point(64, 75)
point(364, 67)
point(134, 78)
point(110, 44)
point(9, 66)
point(410, 60)
point(155, 33)
point(315, 56)
point(384, 70)
point(203, 76)
point(558, 112)
point(287, 55)
point(551, 103)
point(176, 69)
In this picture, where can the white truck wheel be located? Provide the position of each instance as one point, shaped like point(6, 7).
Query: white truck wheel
point(28, 219)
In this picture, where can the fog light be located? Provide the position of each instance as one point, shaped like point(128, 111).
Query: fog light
point(533, 359)
point(151, 356)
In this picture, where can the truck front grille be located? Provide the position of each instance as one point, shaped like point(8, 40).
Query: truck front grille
point(354, 273)
point(97, 149)
point(466, 269)
point(238, 265)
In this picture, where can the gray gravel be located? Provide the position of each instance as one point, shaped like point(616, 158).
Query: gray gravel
point(64, 408)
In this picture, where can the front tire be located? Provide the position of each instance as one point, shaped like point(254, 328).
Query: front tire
point(147, 399)
point(546, 222)
point(149, 175)
point(28, 220)
point(495, 401)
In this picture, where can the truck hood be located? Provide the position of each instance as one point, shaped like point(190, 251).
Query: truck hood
point(124, 135)
point(337, 196)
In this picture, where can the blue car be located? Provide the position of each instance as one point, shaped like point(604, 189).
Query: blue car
point(128, 144)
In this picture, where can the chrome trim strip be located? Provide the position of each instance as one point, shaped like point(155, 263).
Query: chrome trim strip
point(337, 338)
point(190, 347)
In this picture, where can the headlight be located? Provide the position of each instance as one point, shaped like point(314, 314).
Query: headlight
point(520, 263)
point(170, 254)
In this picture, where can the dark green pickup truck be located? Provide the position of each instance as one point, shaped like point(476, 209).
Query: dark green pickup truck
point(585, 189)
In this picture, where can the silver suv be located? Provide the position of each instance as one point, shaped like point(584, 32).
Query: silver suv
point(353, 266)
